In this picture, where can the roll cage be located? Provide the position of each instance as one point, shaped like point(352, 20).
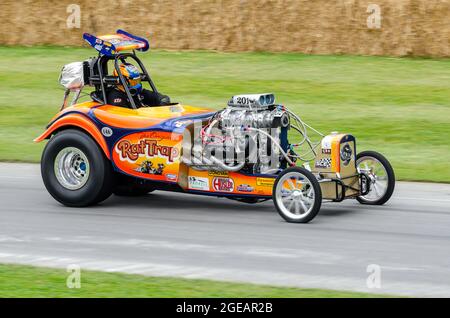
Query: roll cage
point(99, 78)
point(95, 70)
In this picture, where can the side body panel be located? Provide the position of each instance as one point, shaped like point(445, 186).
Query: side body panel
point(147, 143)
point(77, 117)
point(156, 156)
point(229, 183)
point(107, 124)
point(153, 155)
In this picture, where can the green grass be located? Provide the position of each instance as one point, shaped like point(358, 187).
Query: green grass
point(398, 106)
point(26, 281)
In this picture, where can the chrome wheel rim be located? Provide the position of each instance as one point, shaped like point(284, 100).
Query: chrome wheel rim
point(378, 177)
point(295, 195)
point(72, 168)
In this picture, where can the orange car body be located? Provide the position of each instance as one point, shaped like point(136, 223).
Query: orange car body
point(147, 143)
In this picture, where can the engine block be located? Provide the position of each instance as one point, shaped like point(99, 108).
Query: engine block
point(249, 132)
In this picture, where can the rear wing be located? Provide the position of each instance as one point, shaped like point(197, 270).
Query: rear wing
point(113, 43)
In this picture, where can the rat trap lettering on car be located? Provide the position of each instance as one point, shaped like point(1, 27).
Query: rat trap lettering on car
point(147, 147)
point(151, 155)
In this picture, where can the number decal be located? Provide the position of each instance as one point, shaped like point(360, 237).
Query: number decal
point(243, 101)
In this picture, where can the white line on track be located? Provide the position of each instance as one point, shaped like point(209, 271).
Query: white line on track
point(223, 274)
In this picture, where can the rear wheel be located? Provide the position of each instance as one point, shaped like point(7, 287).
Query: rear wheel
point(381, 178)
point(75, 170)
point(297, 195)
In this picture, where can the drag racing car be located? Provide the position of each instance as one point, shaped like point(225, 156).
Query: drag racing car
point(253, 150)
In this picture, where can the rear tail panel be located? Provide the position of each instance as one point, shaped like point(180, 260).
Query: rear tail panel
point(336, 160)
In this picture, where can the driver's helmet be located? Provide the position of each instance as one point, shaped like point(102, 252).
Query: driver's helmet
point(132, 76)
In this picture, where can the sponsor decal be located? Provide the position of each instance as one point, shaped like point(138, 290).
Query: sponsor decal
point(198, 183)
point(114, 41)
point(181, 123)
point(117, 100)
point(145, 147)
point(223, 184)
point(326, 142)
point(107, 132)
point(265, 182)
point(213, 173)
point(171, 177)
point(346, 154)
point(326, 151)
point(323, 163)
point(245, 188)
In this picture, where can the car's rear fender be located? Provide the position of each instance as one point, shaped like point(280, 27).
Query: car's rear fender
point(77, 121)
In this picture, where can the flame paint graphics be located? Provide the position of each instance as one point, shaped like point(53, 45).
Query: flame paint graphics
point(161, 149)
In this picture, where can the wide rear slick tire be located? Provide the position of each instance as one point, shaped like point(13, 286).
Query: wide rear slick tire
point(297, 195)
point(74, 169)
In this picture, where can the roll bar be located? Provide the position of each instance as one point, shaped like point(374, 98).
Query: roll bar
point(100, 80)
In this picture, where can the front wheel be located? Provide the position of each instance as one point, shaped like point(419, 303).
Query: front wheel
point(297, 195)
point(381, 178)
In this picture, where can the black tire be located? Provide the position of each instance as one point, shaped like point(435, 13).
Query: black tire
point(98, 186)
point(126, 186)
point(390, 176)
point(317, 202)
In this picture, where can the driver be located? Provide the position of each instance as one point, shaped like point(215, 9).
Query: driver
point(141, 96)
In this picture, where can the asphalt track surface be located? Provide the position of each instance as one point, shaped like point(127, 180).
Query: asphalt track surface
point(168, 234)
